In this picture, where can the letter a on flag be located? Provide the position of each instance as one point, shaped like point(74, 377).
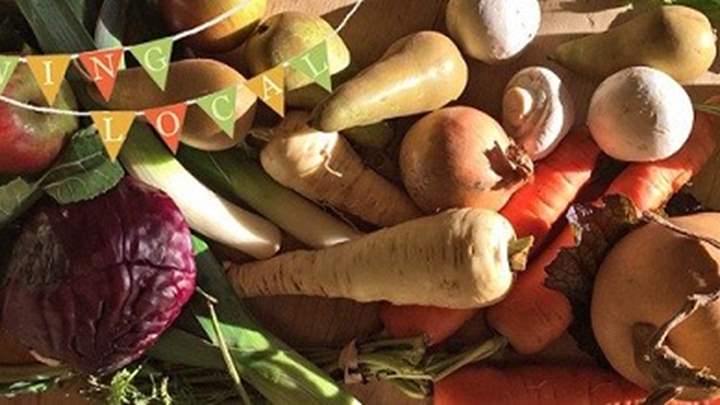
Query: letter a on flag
point(314, 64)
point(49, 72)
point(154, 57)
point(7, 67)
point(103, 66)
point(113, 127)
point(168, 121)
point(270, 88)
point(220, 106)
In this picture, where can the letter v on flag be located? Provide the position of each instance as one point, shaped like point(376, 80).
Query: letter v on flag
point(113, 127)
point(270, 88)
point(168, 121)
point(49, 72)
point(7, 67)
point(103, 66)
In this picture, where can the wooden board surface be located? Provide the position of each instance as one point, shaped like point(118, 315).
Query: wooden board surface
point(311, 322)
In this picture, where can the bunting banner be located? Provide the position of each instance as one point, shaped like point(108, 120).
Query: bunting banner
point(113, 127)
point(314, 63)
point(154, 57)
point(103, 67)
point(269, 86)
point(7, 67)
point(168, 122)
point(49, 72)
point(220, 106)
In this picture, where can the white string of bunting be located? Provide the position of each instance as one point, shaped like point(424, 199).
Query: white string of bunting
point(154, 57)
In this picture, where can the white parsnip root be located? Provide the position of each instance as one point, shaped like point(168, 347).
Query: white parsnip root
point(461, 258)
point(323, 167)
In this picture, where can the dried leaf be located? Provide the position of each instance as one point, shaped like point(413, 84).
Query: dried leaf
point(596, 230)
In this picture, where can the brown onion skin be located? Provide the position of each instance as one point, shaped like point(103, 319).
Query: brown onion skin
point(457, 157)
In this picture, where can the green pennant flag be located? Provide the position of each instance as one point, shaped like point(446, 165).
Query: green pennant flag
point(154, 57)
point(315, 65)
point(220, 106)
point(7, 67)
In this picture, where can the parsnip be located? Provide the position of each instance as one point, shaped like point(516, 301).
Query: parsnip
point(323, 167)
point(460, 258)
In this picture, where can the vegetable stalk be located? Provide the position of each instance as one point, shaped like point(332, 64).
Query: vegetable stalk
point(233, 174)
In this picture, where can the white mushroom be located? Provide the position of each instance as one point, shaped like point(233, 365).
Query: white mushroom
point(493, 31)
point(640, 114)
point(538, 110)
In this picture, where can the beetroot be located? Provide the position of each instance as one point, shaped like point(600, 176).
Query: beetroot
point(95, 284)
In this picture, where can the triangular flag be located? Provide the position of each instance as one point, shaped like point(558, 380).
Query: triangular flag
point(168, 121)
point(103, 66)
point(154, 57)
point(270, 88)
point(113, 127)
point(220, 106)
point(7, 67)
point(49, 72)
point(315, 65)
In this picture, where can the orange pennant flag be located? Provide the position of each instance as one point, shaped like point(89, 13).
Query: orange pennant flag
point(49, 72)
point(168, 121)
point(113, 127)
point(103, 66)
point(270, 87)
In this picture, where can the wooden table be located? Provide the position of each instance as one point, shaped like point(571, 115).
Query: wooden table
point(309, 321)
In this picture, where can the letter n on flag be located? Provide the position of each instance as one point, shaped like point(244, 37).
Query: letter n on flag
point(270, 88)
point(103, 67)
point(113, 127)
point(168, 121)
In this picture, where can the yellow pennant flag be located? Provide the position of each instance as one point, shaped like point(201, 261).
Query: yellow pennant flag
point(113, 127)
point(49, 72)
point(270, 88)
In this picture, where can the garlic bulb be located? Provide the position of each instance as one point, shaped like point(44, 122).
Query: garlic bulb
point(538, 110)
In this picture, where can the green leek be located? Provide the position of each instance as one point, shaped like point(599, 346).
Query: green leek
point(232, 173)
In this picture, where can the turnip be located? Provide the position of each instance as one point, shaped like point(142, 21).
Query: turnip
point(657, 280)
point(461, 157)
point(456, 259)
point(640, 114)
point(493, 31)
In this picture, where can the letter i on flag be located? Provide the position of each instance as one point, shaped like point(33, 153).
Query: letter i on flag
point(49, 72)
point(154, 57)
point(220, 106)
point(113, 127)
point(314, 64)
point(168, 121)
point(270, 87)
point(103, 66)
point(7, 67)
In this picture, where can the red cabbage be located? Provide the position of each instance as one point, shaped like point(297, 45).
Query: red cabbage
point(94, 284)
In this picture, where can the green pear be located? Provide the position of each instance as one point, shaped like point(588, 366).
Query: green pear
point(677, 40)
point(418, 73)
point(287, 35)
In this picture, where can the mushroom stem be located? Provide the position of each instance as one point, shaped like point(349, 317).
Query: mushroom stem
point(518, 103)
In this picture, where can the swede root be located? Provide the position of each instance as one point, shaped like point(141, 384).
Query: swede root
point(460, 258)
point(323, 167)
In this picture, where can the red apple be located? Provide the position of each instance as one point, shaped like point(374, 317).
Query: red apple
point(30, 141)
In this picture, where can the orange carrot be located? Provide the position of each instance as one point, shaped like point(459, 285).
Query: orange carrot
point(536, 385)
point(532, 211)
point(531, 316)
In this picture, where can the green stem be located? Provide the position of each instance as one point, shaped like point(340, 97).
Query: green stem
point(448, 366)
point(519, 251)
point(227, 357)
